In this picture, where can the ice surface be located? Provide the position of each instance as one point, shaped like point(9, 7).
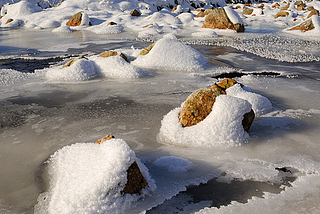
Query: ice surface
point(89, 178)
point(173, 164)
point(173, 55)
point(221, 128)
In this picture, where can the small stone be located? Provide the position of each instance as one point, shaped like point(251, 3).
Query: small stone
point(111, 23)
point(276, 5)
point(108, 137)
point(174, 8)
point(9, 20)
point(285, 7)
point(113, 53)
point(147, 49)
point(305, 26)
point(134, 12)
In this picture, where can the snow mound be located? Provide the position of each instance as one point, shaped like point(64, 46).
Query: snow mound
point(89, 178)
point(80, 70)
point(205, 33)
point(173, 164)
point(104, 28)
point(221, 128)
point(62, 29)
point(260, 104)
point(232, 15)
point(117, 67)
point(172, 55)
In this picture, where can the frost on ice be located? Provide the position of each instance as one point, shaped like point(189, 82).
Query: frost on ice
point(90, 178)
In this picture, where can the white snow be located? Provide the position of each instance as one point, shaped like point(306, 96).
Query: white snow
point(232, 15)
point(170, 54)
point(221, 128)
point(260, 104)
point(89, 178)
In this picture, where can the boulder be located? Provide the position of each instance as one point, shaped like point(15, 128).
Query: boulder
point(285, 7)
point(134, 12)
point(304, 26)
point(113, 53)
point(76, 20)
point(276, 5)
point(248, 120)
point(9, 20)
point(312, 13)
point(281, 14)
point(247, 11)
point(147, 49)
point(222, 86)
point(218, 19)
point(69, 63)
point(197, 106)
point(135, 180)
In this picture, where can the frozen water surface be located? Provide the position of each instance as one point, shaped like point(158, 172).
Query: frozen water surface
point(278, 166)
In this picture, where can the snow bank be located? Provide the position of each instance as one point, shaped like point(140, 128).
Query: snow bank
point(173, 164)
point(117, 67)
point(221, 128)
point(170, 54)
point(80, 70)
point(260, 104)
point(89, 178)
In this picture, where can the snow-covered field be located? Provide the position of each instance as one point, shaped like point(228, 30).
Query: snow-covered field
point(51, 116)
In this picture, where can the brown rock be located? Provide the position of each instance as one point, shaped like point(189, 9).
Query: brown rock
point(276, 5)
point(218, 19)
point(75, 20)
point(147, 49)
point(207, 11)
point(226, 83)
point(304, 26)
point(247, 11)
point(135, 180)
point(111, 23)
point(313, 12)
point(298, 3)
point(113, 53)
point(201, 14)
point(149, 25)
point(69, 63)
point(310, 8)
point(174, 8)
point(108, 137)
point(134, 12)
point(9, 20)
point(247, 120)
point(285, 7)
point(197, 106)
point(218, 89)
point(281, 14)
point(300, 7)
point(261, 6)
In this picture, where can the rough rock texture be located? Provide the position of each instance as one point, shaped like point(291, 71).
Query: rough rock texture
point(134, 12)
point(201, 14)
point(313, 12)
point(304, 26)
point(281, 14)
point(218, 89)
point(135, 180)
point(113, 53)
point(285, 7)
point(218, 19)
point(69, 63)
point(197, 106)
point(75, 20)
point(248, 120)
point(222, 86)
point(247, 11)
point(147, 49)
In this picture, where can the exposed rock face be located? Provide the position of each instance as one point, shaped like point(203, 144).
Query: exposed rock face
point(304, 26)
point(113, 53)
point(218, 19)
point(135, 180)
point(76, 20)
point(276, 5)
point(247, 11)
point(281, 14)
point(248, 120)
point(69, 63)
point(134, 12)
point(147, 49)
point(197, 106)
point(312, 13)
point(224, 84)
point(201, 14)
point(286, 7)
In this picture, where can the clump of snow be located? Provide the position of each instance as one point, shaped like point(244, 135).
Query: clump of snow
point(89, 178)
point(117, 67)
point(173, 164)
point(221, 128)
point(62, 29)
point(80, 70)
point(260, 104)
point(233, 16)
point(173, 55)
point(104, 28)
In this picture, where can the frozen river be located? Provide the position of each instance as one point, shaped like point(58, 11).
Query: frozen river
point(280, 161)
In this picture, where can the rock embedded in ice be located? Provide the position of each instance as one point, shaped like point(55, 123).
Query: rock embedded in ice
point(113, 53)
point(80, 18)
point(223, 18)
point(281, 14)
point(134, 12)
point(197, 107)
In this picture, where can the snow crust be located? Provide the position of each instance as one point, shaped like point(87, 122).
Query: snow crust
point(173, 55)
point(89, 178)
point(221, 128)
